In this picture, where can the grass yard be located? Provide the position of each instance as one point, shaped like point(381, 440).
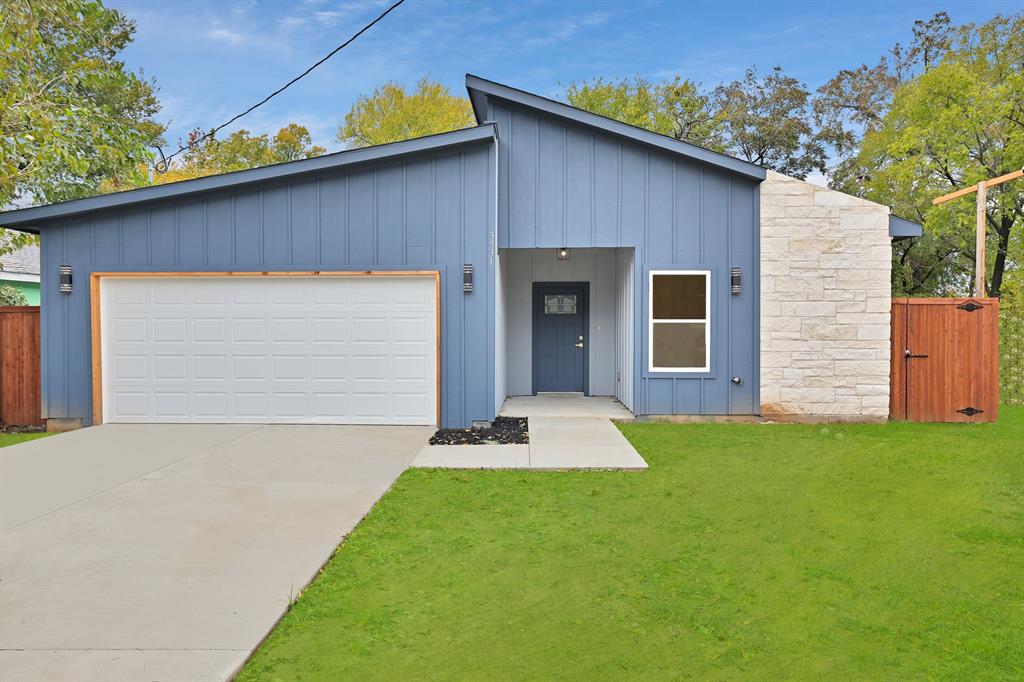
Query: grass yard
point(15, 438)
point(756, 551)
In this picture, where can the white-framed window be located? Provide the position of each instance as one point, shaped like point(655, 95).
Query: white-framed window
point(679, 321)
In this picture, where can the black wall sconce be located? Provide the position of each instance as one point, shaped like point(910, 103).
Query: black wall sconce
point(65, 279)
point(467, 278)
point(736, 280)
point(563, 253)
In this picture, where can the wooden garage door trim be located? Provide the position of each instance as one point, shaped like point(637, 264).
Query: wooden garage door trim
point(94, 314)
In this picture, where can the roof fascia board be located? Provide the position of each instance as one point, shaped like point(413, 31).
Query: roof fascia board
point(901, 228)
point(475, 85)
point(29, 219)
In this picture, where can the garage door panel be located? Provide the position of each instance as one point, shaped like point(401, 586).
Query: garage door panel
point(270, 350)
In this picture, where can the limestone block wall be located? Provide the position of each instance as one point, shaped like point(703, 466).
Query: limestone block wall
point(825, 302)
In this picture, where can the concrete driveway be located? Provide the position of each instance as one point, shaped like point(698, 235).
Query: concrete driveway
point(145, 552)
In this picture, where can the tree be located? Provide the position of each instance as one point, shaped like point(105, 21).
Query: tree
point(768, 120)
point(70, 114)
point(955, 116)
point(207, 155)
point(9, 296)
point(390, 114)
point(678, 108)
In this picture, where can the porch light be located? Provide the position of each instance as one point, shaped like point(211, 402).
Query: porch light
point(563, 253)
point(65, 279)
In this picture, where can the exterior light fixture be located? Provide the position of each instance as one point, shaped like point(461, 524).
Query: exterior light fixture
point(736, 280)
point(65, 279)
point(563, 253)
point(467, 278)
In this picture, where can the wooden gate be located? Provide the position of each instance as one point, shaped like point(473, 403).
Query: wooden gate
point(20, 400)
point(945, 359)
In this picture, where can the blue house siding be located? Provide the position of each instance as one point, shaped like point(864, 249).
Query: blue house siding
point(425, 212)
point(562, 183)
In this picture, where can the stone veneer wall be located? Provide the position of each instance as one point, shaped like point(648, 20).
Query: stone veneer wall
point(825, 302)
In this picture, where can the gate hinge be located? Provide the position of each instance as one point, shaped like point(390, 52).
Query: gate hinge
point(970, 411)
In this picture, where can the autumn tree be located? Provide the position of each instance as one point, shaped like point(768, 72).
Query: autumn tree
point(679, 108)
point(71, 115)
point(205, 154)
point(391, 114)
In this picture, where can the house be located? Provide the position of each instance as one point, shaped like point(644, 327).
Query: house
point(422, 282)
point(20, 270)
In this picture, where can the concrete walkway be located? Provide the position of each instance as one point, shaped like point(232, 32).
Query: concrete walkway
point(555, 443)
point(144, 552)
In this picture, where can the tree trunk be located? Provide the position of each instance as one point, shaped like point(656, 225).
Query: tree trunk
point(1005, 225)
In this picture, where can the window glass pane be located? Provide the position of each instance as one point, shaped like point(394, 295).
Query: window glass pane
point(679, 297)
point(679, 344)
point(560, 304)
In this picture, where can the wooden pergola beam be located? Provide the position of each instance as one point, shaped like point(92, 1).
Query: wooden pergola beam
point(974, 188)
point(979, 238)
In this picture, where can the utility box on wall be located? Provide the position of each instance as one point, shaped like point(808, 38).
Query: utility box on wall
point(945, 359)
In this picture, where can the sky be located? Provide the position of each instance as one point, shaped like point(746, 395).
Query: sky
point(212, 60)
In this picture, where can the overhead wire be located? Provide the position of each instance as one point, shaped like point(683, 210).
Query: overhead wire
point(162, 165)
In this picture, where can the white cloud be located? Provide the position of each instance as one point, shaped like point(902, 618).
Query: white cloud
point(567, 28)
point(223, 35)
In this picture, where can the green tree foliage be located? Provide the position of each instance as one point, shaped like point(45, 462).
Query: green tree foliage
point(764, 119)
point(678, 108)
point(1011, 339)
point(768, 121)
point(941, 115)
point(207, 155)
point(70, 114)
point(391, 114)
point(9, 296)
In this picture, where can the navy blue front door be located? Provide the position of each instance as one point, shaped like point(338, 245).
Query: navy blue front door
point(560, 337)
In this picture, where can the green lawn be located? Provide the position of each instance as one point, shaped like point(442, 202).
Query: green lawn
point(15, 438)
point(849, 552)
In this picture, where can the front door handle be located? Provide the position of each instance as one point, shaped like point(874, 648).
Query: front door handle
point(579, 345)
point(907, 354)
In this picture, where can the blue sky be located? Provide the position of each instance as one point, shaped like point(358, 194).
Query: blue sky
point(213, 59)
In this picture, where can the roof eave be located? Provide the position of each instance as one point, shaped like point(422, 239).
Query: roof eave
point(480, 89)
point(30, 219)
point(901, 228)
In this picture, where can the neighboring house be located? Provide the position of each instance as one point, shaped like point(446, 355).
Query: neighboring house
point(422, 282)
point(21, 271)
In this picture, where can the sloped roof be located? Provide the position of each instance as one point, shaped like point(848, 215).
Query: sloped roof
point(29, 219)
point(24, 261)
point(480, 89)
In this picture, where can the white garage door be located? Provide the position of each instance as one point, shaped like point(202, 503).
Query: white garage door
point(296, 350)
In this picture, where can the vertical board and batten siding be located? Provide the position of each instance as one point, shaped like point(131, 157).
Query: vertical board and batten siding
point(428, 212)
point(564, 184)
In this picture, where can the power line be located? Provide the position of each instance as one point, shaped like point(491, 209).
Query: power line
point(162, 165)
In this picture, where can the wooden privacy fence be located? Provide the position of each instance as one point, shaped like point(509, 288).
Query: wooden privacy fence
point(20, 399)
point(945, 359)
